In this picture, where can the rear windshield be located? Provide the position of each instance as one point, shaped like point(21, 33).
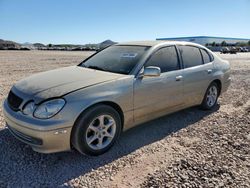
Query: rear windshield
point(117, 59)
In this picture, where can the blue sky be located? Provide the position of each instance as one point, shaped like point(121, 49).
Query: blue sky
point(88, 21)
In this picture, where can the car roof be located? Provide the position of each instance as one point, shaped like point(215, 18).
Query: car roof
point(157, 42)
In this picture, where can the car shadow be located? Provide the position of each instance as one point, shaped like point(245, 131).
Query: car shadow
point(21, 166)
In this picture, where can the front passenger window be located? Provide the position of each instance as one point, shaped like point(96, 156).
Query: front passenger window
point(165, 58)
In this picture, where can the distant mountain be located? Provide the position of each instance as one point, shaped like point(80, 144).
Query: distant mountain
point(26, 43)
point(6, 44)
point(106, 43)
point(39, 45)
point(27, 46)
point(11, 45)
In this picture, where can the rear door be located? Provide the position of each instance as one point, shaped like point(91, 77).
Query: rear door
point(156, 95)
point(196, 73)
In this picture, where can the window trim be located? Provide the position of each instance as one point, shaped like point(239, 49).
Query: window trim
point(211, 56)
point(203, 61)
point(177, 55)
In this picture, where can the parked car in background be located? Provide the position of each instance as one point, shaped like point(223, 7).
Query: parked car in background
point(225, 50)
point(233, 50)
point(87, 106)
point(244, 49)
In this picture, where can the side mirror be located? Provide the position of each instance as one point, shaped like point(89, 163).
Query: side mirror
point(151, 71)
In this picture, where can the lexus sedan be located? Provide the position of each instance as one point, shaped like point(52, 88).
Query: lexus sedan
point(86, 107)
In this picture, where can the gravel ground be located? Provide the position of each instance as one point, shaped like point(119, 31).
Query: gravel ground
point(191, 148)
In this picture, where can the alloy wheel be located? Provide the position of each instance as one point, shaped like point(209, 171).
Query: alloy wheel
point(100, 132)
point(212, 96)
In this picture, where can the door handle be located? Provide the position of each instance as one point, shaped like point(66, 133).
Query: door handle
point(209, 71)
point(178, 78)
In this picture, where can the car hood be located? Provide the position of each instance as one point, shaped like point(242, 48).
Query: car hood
point(61, 81)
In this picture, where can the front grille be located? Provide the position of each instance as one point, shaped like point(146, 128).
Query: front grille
point(25, 138)
point(14, 101)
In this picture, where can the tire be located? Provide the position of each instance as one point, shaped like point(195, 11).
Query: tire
point(90, 136)
point(211, 97)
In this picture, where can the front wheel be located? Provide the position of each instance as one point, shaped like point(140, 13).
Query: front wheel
point(211, 97)
point(96, 130)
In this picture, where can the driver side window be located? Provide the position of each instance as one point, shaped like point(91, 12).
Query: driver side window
point(165, 58)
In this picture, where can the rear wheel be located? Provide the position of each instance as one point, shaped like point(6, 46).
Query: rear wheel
point(211, 97)
point(96, 130)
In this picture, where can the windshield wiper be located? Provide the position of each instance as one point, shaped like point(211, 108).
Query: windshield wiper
point(95, 67)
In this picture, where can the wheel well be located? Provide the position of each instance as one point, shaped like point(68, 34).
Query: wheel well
point(112, 104)
point(108, 103)
point(117, 108)
point(218, 82)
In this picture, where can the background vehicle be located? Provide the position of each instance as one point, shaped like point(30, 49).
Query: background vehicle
point(244, 49)
point(233, 50)
point(225, 50)
point(89, 105)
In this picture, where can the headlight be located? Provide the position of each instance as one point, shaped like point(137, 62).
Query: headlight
point(49, 108)
point(29, 108)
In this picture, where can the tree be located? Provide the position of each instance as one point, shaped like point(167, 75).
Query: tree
point(213, 44)
point(49, 45)
point(206, 44)
point(223, 43)
point(249, 43)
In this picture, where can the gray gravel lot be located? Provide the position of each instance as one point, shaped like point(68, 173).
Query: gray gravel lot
point(190, 148)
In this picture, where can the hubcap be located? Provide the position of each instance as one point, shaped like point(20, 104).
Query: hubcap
point(101, 132)
point(212, 96)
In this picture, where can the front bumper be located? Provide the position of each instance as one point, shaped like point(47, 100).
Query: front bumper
point(44, 136)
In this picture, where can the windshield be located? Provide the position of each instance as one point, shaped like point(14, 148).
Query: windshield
point(117, 59)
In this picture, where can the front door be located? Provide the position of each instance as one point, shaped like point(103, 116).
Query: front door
point(154, 96)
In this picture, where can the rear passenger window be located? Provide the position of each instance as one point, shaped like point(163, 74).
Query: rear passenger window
point(191, 56)
point(205, 55)
point(165, 58)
